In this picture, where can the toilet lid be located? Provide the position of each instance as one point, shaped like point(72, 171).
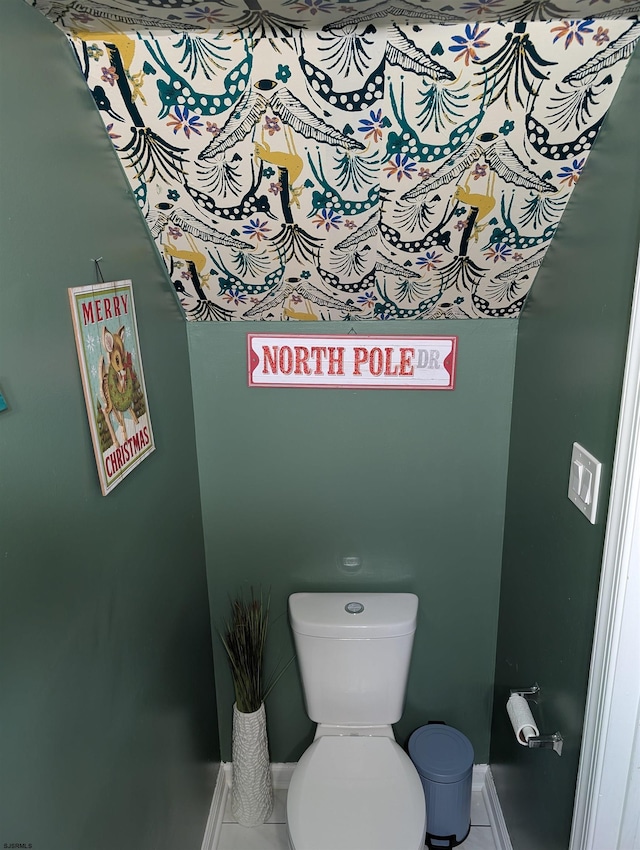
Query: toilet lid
point(355, 793)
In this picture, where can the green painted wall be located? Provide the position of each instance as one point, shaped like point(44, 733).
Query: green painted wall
point(107, 711)
point(107, 684)
point(570, 360)
point(413, 482)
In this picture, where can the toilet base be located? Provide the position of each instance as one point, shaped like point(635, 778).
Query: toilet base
point(355, 792)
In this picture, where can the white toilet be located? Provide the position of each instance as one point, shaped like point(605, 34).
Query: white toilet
point(354, 788)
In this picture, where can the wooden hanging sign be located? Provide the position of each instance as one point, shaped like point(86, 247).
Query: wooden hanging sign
point(104, 323)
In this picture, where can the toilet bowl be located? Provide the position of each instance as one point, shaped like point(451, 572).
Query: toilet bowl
point(355, 792)
point(354, 788)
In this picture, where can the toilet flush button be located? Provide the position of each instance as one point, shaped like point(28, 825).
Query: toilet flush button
point(354, 607)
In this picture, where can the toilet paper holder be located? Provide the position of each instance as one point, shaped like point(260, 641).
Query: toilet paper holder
point(544, 742)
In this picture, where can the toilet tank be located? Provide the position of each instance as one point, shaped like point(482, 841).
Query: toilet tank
point(354, 651)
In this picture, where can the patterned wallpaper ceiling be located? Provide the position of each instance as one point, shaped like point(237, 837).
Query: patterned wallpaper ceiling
point(316, 159)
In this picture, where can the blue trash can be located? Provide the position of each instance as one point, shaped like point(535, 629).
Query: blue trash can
point(443, 757)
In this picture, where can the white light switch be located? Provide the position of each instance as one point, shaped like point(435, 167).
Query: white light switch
point(584, 481)
point(585, 488)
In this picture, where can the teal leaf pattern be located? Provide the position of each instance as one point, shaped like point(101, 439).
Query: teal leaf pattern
point(343, 162)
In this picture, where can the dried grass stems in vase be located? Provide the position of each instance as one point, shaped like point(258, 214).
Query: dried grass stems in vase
point(244, 640)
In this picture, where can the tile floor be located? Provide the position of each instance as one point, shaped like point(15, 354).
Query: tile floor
point(273, 834)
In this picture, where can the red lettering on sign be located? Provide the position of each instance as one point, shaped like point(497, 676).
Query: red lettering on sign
point(375, 361)
point(318, 351)
point(285, 360)
point(406, 367)
point(270, 358)
point(361, 355)
point(302, 356)
point(336, 360)
point(87, 312)
point(127, 451)
point(388, 357)
point(100, 309)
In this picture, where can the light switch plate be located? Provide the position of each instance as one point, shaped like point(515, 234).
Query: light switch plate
point(584, 481)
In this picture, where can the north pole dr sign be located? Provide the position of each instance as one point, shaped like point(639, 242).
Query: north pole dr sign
point(352, 362)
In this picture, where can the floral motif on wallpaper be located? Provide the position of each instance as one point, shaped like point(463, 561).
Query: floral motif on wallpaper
point(395, 163)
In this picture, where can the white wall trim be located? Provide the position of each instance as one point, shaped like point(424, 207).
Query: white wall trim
point(478, 776)
point(610, 758)
point(482, 781)
point(281, 773)
point(496, 818)
point(216, 811)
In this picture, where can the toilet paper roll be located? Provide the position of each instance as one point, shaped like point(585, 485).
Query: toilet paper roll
point(521, 719)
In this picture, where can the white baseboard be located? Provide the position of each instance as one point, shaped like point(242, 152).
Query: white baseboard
point(482, 781)
point(496, 818)
point(281, 774)
point(478, 776)
point(216, 812)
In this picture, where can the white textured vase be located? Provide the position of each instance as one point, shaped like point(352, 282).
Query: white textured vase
point(251, 785)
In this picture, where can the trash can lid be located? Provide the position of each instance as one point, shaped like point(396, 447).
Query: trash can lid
point(441, 753)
